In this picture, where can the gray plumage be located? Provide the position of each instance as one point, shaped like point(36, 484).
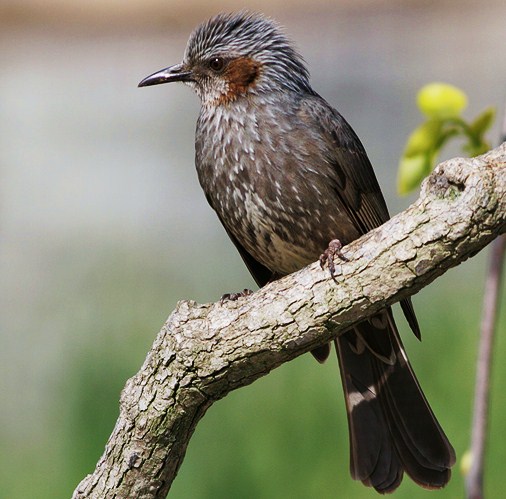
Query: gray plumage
point(286, 174)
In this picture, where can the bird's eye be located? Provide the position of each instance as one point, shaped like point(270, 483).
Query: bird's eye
point(217, 63)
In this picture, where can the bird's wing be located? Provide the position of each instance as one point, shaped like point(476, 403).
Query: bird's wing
point(354, 180)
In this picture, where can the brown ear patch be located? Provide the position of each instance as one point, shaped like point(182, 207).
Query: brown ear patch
point(241, 74)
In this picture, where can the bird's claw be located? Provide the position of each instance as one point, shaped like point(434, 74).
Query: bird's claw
point(235, 296)
point(327, 257)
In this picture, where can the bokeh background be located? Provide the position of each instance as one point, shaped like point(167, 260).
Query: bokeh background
point(103, 227)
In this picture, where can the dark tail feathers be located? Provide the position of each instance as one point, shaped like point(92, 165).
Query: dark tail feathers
point(392, 427)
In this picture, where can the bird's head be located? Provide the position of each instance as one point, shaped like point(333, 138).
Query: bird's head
point(233, 55)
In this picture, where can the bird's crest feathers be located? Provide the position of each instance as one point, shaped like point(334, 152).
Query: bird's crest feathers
point(251, 37)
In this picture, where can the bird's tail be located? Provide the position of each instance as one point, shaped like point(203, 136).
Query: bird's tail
point(391, 425)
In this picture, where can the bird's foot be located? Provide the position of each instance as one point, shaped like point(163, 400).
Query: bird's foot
point(235, 296)
point(327, 257)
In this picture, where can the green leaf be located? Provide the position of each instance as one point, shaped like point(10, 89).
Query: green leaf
point(424, 138)
point(473, 149)
point(412, 170)
point(483, 122)
point(441, 101)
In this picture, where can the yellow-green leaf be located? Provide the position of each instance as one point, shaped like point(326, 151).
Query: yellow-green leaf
point(483, 121)
point(473, 149)
point(441, 101)
point(424, 138)
point(466, 462)
point(412, 170)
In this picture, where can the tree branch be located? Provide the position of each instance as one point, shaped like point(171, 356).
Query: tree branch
point(205, 351)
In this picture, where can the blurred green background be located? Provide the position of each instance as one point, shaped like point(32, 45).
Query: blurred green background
point(103, 228)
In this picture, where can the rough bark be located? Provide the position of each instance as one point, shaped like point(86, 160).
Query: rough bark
point(205, 351)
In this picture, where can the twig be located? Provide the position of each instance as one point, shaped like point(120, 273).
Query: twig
point(474, 478)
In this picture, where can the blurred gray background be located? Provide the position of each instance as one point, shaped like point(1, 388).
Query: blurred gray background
point(103, 227)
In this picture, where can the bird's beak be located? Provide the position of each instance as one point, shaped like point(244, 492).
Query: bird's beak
point(172, 73)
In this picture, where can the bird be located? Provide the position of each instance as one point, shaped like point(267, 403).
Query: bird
point(291, 183)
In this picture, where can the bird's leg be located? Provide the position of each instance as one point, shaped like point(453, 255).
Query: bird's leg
point(235, 296)
point(327, 257)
